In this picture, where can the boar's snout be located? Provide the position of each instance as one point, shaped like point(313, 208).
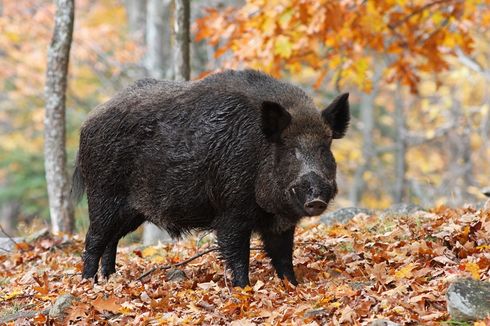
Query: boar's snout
point(312, 193)
point(315, 207)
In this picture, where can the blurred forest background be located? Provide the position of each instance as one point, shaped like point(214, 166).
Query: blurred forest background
point(418, 73)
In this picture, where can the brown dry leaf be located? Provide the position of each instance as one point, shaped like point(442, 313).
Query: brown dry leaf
point(376, 273)
point(443, 260)
point(78, 310)
point(110, 304)
point(348, 315)
point(433, 316)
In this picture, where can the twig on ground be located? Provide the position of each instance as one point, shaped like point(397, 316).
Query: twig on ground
point(188, 260)
point(178, 264)
point(8, 235)
point(225, 277)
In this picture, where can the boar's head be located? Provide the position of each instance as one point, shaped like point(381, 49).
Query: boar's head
point(298, 176)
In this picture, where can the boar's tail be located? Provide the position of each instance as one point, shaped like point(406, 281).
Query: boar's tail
point(78, 184)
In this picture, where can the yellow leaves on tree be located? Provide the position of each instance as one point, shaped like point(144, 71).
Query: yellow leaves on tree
point(411, 36)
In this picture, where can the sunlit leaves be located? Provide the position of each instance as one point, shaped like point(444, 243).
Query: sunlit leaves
point(412, 36)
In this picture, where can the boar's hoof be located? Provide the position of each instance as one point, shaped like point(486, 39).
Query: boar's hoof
point(293, 281)
point(315, 207)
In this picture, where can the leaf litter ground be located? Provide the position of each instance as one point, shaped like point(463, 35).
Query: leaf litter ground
point(396, 268)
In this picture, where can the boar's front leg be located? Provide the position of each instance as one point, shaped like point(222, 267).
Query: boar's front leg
point(234, 246)
point(279, 247)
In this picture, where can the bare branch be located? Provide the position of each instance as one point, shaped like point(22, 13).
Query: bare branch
point(472, 64)
point(416, 12)
point(8, 235)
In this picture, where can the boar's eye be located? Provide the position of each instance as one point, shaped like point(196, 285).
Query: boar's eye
point(324, 149)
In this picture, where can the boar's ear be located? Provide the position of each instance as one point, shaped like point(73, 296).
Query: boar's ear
point(275, 119)
point(337, 115)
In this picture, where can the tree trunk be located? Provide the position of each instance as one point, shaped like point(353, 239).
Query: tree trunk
point(152, 234)
point(157, 62)
point(459, 175)
point(61, 210)
point(136, 12)
point(368, 150)
point(158, 50)
point(399, 189)
point(9, 213)
point(182, 40)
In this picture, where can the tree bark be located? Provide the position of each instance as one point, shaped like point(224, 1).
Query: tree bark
point(399, 189)
point(61, 210)
point(368, 149)
point(9, 213)
point(158, 50)
point(157, 63)
point(136, 12)
point(182, 40)
point(460, 171)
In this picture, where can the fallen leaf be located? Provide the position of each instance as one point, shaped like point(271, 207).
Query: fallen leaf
point(109, 304)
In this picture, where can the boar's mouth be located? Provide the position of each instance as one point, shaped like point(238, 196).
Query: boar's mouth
point(297, 205)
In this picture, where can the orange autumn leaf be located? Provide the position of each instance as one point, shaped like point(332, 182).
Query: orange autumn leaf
point(280, 35)
point(43, 287)
point(110, 304)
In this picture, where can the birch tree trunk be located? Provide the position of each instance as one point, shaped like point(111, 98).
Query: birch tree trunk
point(157, 63)
point(367, 127)
point(400, 187)
point(182, 40)
point(158, 34)
point(136, 11)
point(61, 211)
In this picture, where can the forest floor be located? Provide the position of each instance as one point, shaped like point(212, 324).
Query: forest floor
point(396, 268)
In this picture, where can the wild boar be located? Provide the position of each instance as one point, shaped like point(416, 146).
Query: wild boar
point(237, 152)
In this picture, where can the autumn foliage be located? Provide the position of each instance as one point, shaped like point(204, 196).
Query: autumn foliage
point(341, 39)
point(392, 267)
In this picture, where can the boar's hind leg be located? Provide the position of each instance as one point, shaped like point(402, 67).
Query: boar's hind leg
point(279, 247)
point(234, 246)
point(130, 223)
point(104, 220)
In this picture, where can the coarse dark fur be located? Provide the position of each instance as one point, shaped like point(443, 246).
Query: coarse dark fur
point(237, 152)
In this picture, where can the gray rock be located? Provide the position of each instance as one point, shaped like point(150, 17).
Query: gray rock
point(343, 215)
point(37, 235)
point(486, 191)
point(7, 244)
point(314, 313)
point(361, 285)
point(59, 309)
point(21, 317)
point(401, 209)
point(176, 275)
point(468, 300)
point(481, 205)
point(383, 322)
